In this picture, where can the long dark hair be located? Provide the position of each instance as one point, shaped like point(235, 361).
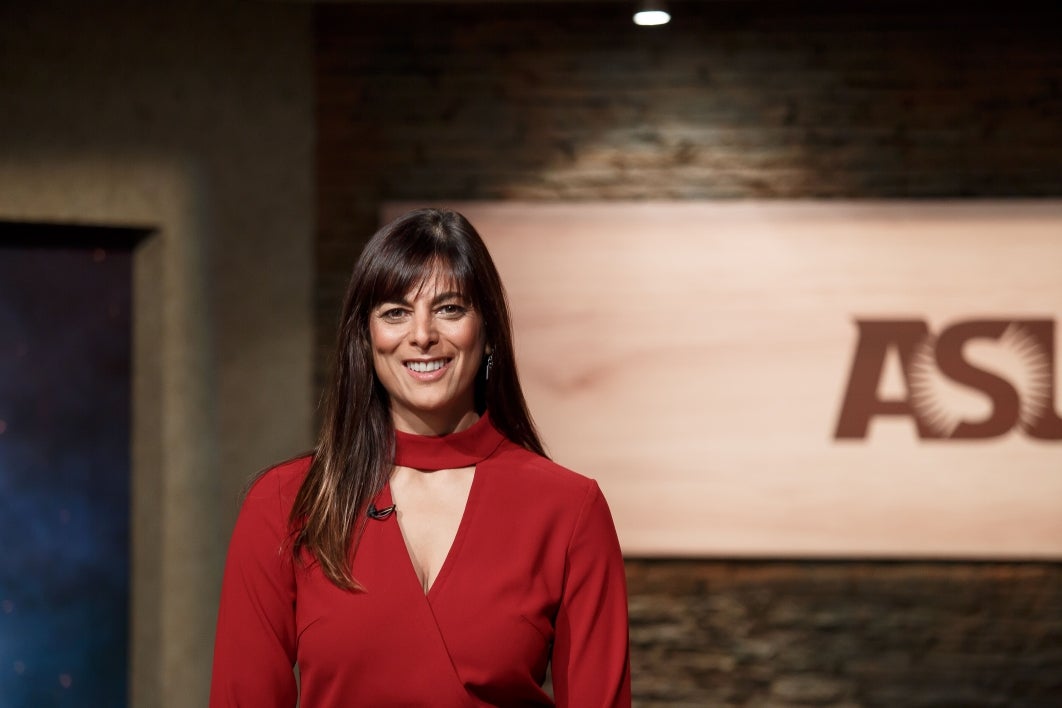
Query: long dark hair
point(355, 451)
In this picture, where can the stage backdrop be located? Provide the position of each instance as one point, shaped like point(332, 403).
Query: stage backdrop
point(825, 379)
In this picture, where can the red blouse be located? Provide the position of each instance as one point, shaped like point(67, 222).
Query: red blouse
point(534, 575)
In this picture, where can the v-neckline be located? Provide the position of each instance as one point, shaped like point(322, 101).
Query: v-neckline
point(455, 546)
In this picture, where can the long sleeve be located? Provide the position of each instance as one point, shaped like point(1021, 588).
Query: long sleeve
point(591, 652)
point(254, 649)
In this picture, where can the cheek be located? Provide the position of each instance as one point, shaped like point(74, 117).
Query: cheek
point(381, 339)
point(472, 339)
point(475, 340)
point(382, 344)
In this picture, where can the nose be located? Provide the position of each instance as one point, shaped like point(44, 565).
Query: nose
point(423, 334)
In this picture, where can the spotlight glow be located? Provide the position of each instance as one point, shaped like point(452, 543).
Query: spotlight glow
point(648, 18)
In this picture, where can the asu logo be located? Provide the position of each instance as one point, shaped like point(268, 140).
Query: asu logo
point(974, 379)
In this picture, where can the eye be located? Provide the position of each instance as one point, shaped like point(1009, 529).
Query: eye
point(393, 314)
point(452, 310)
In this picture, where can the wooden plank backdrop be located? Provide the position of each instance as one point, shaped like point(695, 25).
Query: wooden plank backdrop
point(693, 358)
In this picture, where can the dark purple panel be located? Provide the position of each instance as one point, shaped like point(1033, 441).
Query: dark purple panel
point(64, 476)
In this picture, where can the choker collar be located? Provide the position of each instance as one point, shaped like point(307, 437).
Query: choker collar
point(444, 452)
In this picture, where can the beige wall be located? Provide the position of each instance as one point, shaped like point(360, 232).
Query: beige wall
point(194, 120)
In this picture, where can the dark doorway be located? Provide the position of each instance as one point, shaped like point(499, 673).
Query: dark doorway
point(65, 334)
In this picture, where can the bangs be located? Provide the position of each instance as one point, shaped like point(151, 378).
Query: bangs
point(411, 271)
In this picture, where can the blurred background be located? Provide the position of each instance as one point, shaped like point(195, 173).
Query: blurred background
point(205, 173)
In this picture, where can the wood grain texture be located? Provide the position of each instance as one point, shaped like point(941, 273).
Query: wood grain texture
point(692, 357)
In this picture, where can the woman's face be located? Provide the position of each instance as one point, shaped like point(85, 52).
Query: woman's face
point(427, 348)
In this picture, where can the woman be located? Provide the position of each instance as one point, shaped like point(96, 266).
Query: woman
point(427, 553)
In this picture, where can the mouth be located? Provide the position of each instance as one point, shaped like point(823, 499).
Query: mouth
point(426, 367)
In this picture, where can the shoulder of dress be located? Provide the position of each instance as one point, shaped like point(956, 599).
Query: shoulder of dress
point(282, 479)
point(519, 462)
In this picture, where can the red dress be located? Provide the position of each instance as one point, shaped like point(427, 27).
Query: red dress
point(534, 575)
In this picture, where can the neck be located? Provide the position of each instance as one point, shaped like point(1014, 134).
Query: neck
point(433, 424)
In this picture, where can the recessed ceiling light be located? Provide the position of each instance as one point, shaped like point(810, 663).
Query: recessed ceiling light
point(650, 13)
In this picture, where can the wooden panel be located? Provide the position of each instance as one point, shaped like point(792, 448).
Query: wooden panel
point(693, 357)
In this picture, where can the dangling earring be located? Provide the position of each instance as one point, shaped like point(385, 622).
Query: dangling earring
point(490, 363)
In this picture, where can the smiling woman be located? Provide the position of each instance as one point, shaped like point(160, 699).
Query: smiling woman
point(427, 349)
point(385, 564)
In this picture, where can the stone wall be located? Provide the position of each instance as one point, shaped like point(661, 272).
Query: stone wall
point(732, 100)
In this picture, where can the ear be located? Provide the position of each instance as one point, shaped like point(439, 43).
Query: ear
point(489, 349)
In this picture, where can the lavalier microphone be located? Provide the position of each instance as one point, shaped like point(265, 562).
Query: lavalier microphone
point(380, 514)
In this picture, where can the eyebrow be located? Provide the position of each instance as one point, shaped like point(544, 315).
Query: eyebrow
point(441, 297)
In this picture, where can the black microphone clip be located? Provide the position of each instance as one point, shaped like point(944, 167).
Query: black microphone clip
point(380, 514)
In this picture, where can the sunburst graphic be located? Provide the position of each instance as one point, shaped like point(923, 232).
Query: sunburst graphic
point(1032, 377)
point(932, 394)
point(1017, 356)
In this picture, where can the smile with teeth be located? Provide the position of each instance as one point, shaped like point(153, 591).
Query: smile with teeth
point(423, 367)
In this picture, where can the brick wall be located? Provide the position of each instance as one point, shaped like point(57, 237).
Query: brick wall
point(732, 100)
point(718, 633)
